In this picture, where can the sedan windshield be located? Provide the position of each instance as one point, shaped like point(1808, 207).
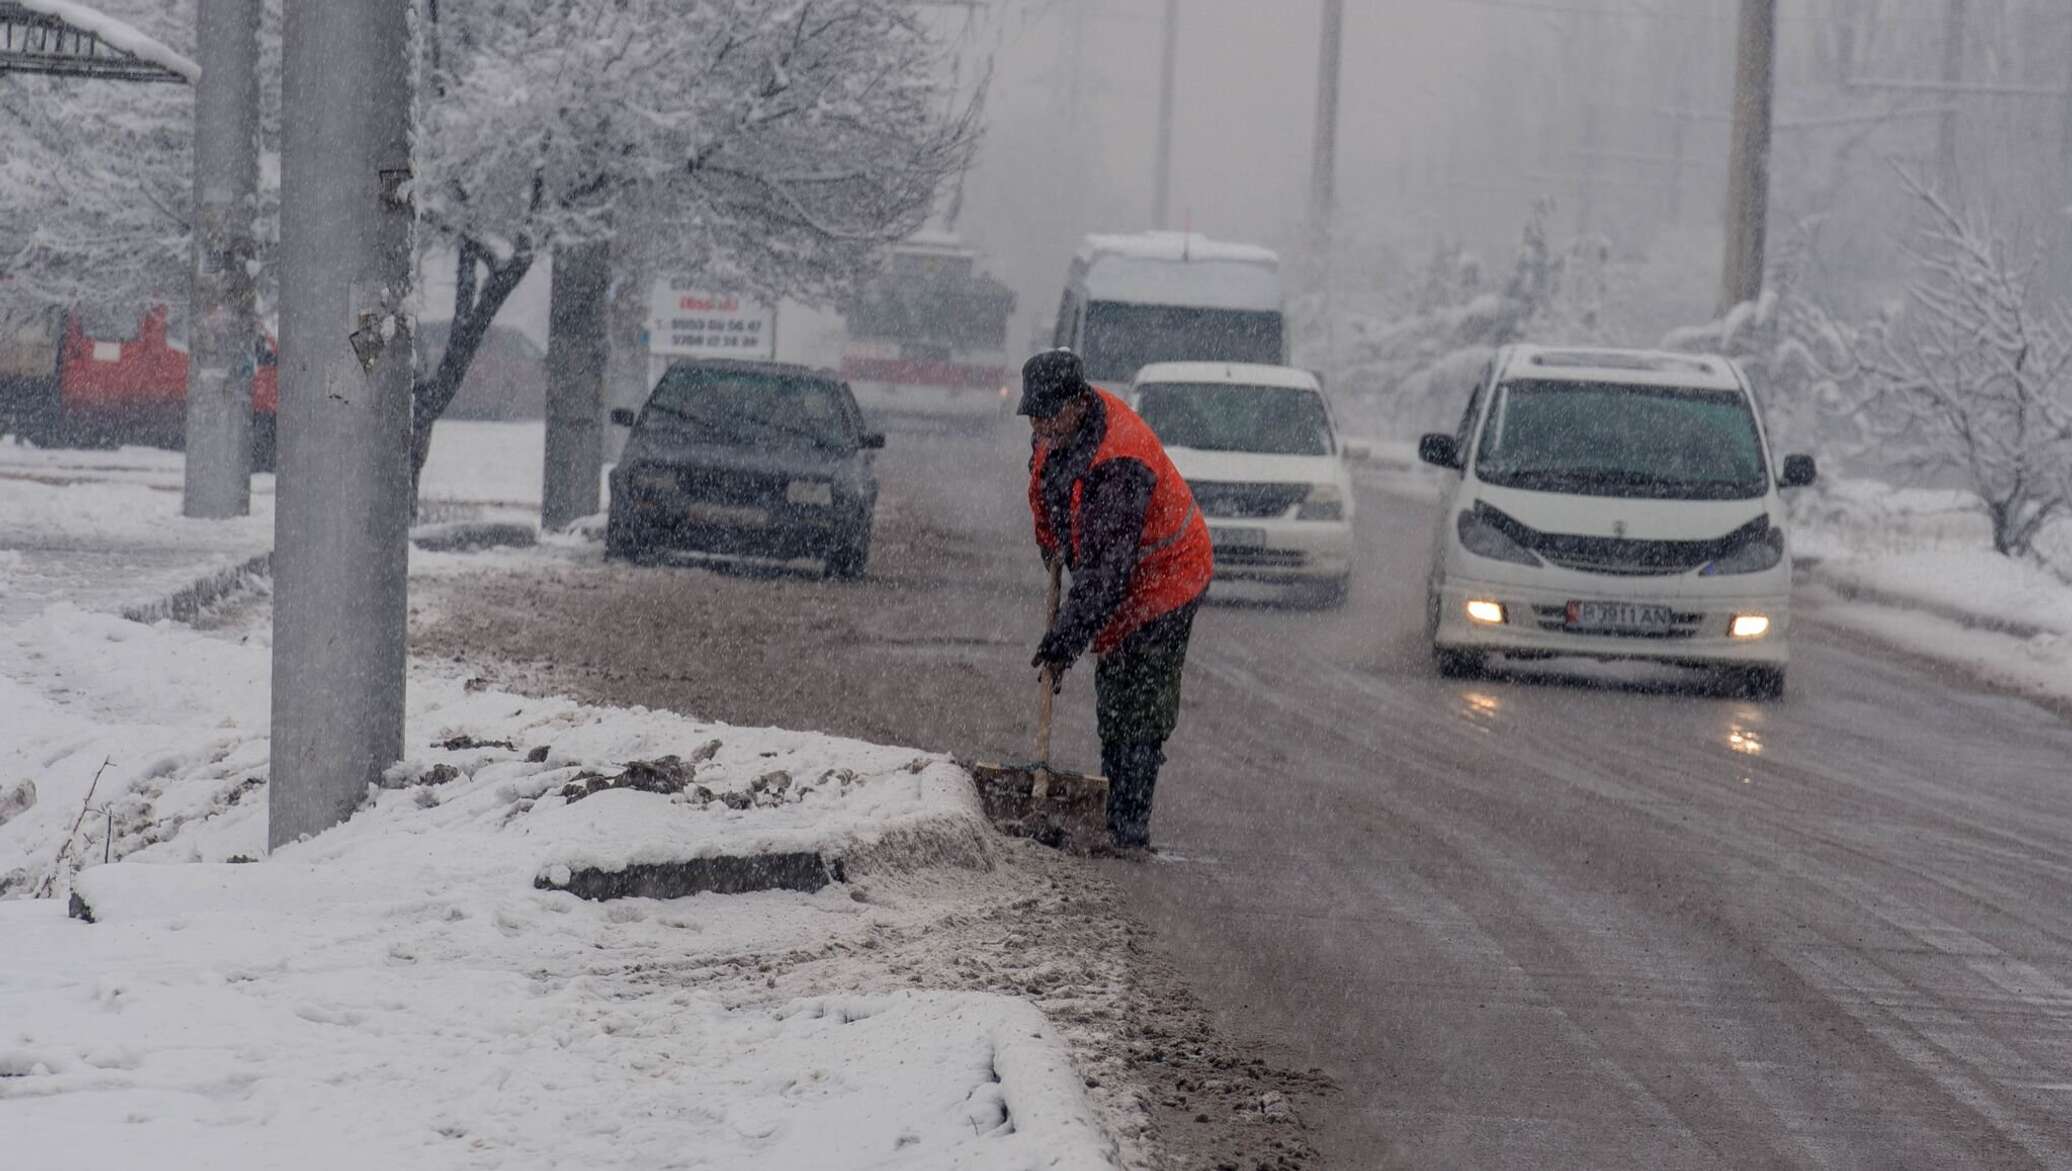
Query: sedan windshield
point(748, 407)
point(1605, 439)
point(1221, 416)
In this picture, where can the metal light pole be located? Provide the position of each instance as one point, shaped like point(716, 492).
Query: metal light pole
point(1748, 164)
point(223, 323)
point(1162, 199)
point(341, 526)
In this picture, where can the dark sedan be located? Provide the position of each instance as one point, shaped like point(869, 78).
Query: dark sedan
point(746, 459)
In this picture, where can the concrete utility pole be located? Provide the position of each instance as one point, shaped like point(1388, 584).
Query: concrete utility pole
point(1953, 79)
point(2066, 156)
point(1323, 186)
point(1323, 183)
point(576, 355)
point(1748, 163)
point(223, 325)
point(341, 528)
point(1162, 197)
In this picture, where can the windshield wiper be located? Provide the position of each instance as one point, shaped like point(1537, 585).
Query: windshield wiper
point(813, 437)
point(721, 425)
point(686, 413)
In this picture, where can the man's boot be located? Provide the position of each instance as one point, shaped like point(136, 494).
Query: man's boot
point(1132, 777)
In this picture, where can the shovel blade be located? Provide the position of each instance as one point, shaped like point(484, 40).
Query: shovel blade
point(1065, 810)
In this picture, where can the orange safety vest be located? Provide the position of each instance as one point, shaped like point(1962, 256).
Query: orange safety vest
point(1174, 558)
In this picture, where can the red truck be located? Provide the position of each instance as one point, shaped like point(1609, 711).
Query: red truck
point(69, 382)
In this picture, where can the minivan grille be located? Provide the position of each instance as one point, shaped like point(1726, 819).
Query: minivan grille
point(1620, 556)
point(1261, 559)
point(1228, 500)
point(1625, 558)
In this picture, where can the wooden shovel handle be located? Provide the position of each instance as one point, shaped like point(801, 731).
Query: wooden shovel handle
point(1045, 678)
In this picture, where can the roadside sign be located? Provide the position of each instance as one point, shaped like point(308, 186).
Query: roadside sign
point(690, 322)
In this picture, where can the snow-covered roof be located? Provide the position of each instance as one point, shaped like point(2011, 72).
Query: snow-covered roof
point(1179, 268)
point(1174, 246)
point(1606, 364)
point(116, 34)
point(1234, 373)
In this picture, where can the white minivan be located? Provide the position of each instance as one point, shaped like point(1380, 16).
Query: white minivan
point(1258, 447)
point(1613, 504)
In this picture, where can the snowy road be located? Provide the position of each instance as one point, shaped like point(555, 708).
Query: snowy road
point(1586, 919)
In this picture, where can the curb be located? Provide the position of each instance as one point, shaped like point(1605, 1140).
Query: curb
point(954, 841)
point(190, 601)
point(468, 536)
point(1855, 591)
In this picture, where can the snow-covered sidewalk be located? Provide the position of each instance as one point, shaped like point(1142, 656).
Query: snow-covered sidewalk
point(416, 988)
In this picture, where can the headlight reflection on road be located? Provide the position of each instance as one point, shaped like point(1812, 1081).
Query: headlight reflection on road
point(1744, 740)
point(1482, 707)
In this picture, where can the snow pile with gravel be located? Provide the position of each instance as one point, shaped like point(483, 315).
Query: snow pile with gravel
point(397, 992)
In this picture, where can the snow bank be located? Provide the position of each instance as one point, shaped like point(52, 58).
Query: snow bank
point(486, 463)
point(180, 719)
point(455, 1031)
point(397, 993)
point(52, 505)
point(117, 35)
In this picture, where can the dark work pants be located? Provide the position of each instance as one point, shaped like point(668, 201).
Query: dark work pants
point(1137, 704)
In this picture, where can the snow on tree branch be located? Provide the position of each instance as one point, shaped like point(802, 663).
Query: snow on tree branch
point(769, 146)
point(117, 34)
point(1977, 371)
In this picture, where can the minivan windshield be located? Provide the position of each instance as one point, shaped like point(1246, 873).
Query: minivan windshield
point(1608, 439)
point(1122, 339)
point(1222, 416)
point(746, 407)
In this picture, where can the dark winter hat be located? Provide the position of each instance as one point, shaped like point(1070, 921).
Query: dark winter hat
point(1049, 381)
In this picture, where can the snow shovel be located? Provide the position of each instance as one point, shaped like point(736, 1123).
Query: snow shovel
point(1060, 809)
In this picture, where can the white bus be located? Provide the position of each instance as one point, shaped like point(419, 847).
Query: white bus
point(1170, 297)
point(928, 335)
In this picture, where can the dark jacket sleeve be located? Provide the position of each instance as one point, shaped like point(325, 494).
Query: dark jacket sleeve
point(1116, 499)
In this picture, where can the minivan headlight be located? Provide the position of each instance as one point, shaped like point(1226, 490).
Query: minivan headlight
point(1754, 555)
point(1484, 539)
point(1324, 502)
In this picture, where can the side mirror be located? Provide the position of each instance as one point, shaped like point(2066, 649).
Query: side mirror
point(1439, 450)
point(623, 417)
point(872, 441)
point(1356, 451)
point(1799, 471)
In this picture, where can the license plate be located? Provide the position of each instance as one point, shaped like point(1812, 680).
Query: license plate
point(1228, 538)
point(1619, 616)
point(730, 515)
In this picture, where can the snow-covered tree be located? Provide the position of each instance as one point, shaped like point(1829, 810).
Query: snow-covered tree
point(1977, 371)
point(1801, 360)
point(96, 178)
point(1416, 370)
point(772, 146)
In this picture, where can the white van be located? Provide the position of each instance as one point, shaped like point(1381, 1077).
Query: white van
point(1614, 504)
point(1258, 447)
point(1170, 296)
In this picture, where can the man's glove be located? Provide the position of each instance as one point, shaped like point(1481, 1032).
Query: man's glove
point(1049, 656)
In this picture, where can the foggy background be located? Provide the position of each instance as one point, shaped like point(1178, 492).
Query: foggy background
point(1459, 114)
